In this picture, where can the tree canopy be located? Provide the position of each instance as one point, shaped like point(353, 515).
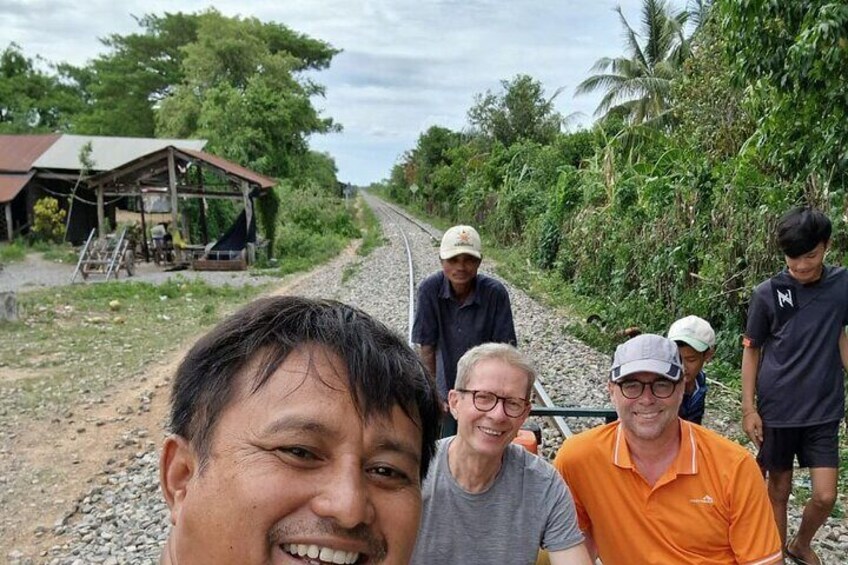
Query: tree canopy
point(521, 111)
point(30, 99)
point(238, 82)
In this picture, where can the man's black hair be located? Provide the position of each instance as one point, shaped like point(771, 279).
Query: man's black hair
point(382, 370)
point(801, 229)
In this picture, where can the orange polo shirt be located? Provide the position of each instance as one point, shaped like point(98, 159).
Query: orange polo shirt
point(709, 507)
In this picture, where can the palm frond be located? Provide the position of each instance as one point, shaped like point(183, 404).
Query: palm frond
point(595, 82)
point(631, 39)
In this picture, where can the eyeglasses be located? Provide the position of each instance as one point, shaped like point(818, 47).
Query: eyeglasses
point(485, 401)
point(660, 388)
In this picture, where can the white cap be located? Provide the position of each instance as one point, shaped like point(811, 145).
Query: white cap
point(693, 331)
point(648, 353)
point(460, 240)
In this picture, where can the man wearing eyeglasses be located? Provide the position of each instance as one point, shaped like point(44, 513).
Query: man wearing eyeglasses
point(485, 499)
point(652, 488)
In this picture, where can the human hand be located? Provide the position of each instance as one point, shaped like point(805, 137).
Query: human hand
point(753, 426)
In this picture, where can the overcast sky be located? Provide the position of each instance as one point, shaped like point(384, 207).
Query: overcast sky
point(405, 65)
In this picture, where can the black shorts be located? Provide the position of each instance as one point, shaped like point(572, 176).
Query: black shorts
point(815, 446)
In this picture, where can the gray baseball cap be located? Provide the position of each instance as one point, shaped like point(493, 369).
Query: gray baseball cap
point(647, 353)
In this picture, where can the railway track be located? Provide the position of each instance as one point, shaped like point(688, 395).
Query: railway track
point(544, 406)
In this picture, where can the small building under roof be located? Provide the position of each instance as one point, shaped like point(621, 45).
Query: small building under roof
point(180, 173)
point(35, 166)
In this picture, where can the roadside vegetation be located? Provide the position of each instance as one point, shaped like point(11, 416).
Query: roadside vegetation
point(18, 249)
point(73, 342)
point(372, 232)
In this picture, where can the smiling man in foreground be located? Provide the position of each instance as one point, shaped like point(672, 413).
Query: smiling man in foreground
point(652, 488)
point(300, 433)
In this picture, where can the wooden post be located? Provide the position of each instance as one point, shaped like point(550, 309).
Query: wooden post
point(204, 222)
point(248, 217)
point(172, 187)
point(101, 213)
point(144, 248)
point(248, 203)
point(9, 230)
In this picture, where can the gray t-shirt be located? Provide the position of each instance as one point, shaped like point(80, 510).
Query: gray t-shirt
point(797, 327)
point(526, 508)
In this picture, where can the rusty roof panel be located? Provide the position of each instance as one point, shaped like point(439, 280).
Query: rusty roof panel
point(11, 185)
point(19, 152)
point(232, 168)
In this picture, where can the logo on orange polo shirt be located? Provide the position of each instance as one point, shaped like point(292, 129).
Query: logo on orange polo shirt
point(706, 500)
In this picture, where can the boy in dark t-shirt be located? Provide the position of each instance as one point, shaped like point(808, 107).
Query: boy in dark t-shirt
point(792, 365)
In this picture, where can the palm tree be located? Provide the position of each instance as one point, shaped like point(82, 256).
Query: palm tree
point(638, 85)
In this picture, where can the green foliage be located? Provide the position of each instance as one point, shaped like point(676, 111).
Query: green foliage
point(239, 89)
point(220, 215)
point(58, 253)
point(49, 220)
point(267, 214)
point(12, 251)
point(314, 228)
point(708, 106)
point(320, 169)
point(369, 227)
point(793, 59)
point(30, 99)
point(123, 86)
point(521, 112)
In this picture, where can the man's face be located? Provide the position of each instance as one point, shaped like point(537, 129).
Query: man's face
point(489, 433)
point(647, 417)
point(461, 269)
point(294, 476)
point(807, 268)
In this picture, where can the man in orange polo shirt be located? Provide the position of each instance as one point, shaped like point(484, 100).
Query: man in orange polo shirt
point(652, 488)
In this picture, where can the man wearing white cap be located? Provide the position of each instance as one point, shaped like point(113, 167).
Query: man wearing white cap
point(652, 488)
point(457, 310)
point(695, 341)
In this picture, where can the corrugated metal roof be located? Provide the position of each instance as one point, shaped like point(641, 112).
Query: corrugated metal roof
point(106, 152)
point(18, 152)
point(11, 185)
point(232, 168)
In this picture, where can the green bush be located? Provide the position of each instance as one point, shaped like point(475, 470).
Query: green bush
point(49, 221)
point(313, 228)
point(14, 251)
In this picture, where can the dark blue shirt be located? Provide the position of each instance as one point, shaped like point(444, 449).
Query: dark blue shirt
point(796, 326)
point(454, 328)
point(692, 407)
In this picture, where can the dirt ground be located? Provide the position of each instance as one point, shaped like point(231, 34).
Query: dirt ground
point(55, 462)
